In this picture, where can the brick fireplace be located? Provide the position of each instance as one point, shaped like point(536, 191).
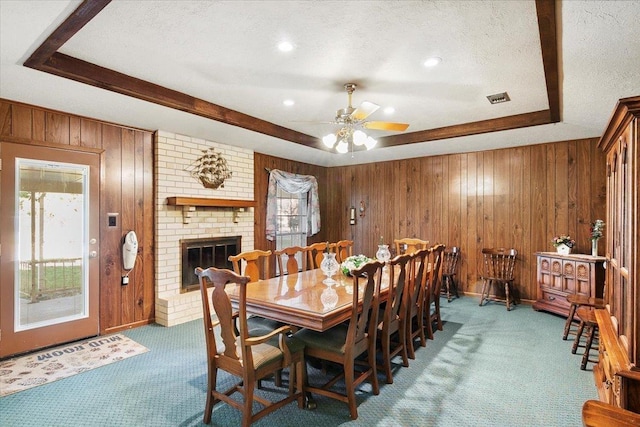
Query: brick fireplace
point(175, 225)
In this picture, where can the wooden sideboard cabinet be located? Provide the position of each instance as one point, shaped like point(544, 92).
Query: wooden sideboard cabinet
point(561, 275)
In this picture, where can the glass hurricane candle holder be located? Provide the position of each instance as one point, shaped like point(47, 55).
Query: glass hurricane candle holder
point(329, 267)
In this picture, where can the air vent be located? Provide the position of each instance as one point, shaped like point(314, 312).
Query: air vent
point(499, 98)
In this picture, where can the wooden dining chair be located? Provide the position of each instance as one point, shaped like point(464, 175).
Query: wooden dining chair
point(314, 253)
point(250, 358)
point(393, 316)
point(415, 301)
point(256, 267)
point(345, 342)
point(449, 266)
point(256, 264)
point(343, 249)
point(499, 265)
point(432, 292)
point(291, 254)
point(408, 245)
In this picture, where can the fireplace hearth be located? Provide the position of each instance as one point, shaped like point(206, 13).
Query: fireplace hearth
point(206, 252)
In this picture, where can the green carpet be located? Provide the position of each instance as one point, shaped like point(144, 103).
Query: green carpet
point(488, 367)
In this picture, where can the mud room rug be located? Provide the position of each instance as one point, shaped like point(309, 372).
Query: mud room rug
point(53, 364)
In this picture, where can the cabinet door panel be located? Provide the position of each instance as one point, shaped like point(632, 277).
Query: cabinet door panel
point(569, 277)
point(583, 278)
point(556, 273)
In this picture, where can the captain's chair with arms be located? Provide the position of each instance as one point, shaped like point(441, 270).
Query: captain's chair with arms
point(249, 358)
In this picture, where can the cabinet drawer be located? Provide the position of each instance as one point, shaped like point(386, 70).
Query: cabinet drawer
point(555, 298)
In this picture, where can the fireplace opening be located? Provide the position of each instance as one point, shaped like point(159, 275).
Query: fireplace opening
point(206, 252)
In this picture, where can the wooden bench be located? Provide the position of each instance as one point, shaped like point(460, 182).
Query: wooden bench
point(616, 378)
point(600, 414)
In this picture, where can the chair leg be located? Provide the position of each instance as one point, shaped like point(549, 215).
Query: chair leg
point(402, 335)
point(578, 335)
point(247, 407)
point(423, 338)
point(485, 285)
point(427, 318)
point(506, 294)
point(567, 324)
point(374, 370)
point(349, 367)
point(211, 385)
point(447, 283)
point(386, 357)
point(300, 374)
point(587, 350)
point(438, 317)
point(455, 286)
point(411, 352)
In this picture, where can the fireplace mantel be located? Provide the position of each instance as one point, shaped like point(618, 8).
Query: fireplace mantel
point(189, 204)
point(207, 202)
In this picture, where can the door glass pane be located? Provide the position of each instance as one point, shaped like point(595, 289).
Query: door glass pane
point(51, 211)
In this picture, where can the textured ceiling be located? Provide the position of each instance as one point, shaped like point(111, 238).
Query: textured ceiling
point(225, 53)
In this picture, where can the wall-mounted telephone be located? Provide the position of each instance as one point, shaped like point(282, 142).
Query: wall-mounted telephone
point(129, 254)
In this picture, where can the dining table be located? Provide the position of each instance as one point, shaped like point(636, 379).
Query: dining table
point(303, 299)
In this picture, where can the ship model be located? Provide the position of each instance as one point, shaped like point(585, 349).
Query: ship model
point(210, 169)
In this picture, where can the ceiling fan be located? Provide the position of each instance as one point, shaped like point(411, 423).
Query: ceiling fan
point(352, 121)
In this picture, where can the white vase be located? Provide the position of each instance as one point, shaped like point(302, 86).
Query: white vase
point(594, 247)
point(563, 249)
point(383, 254)
point(329, 267)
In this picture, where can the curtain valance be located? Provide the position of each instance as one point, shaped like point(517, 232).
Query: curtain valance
point(294, 184)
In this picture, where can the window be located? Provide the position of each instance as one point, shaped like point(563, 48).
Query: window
point(291, 224)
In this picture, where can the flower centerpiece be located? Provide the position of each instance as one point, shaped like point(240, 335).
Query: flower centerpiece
point(563, 244)
point(353, 262)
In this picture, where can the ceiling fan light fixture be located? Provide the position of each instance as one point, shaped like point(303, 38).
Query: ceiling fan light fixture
point(370, 143)
point(359, 137)
point(329, 140)
point(342, 147)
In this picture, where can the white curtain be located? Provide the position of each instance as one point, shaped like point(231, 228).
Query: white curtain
point(294, 184)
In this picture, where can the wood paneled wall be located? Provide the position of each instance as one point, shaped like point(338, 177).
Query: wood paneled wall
point(517, 197)
point(126, 189)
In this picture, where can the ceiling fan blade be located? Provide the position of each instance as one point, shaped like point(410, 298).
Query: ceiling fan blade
point(399, 127)
point(364, 110)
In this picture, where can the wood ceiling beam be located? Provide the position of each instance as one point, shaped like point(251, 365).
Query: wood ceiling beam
point(85, 72)
point(74, 23)
point(47, 59)
point(546, 11)
point(483, 126)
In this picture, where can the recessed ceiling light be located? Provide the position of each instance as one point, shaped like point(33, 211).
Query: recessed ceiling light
point(285, 46)
point(389, 110)
point(432, 62)
point(288, 102)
